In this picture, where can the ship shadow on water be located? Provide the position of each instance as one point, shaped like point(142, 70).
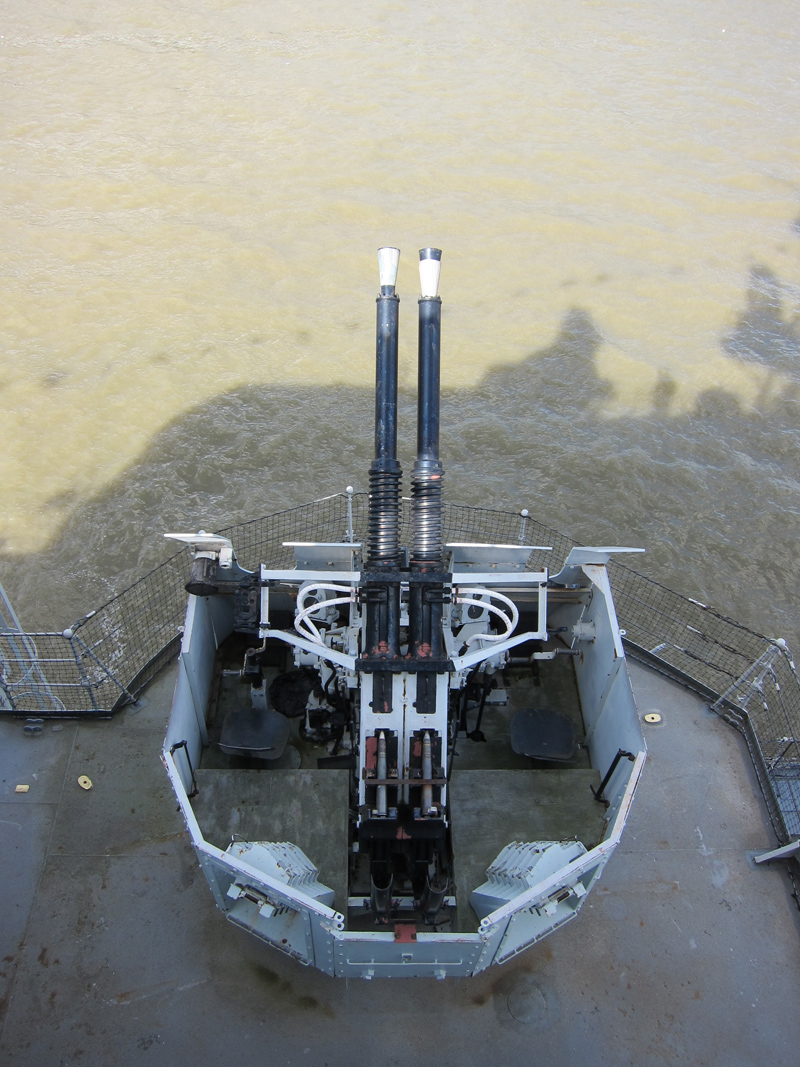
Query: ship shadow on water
point(712, 493)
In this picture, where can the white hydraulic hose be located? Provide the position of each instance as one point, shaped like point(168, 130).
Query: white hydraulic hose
point(302, 621)
point(510, 622)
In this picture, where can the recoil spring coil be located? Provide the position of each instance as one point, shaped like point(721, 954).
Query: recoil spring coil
point(426, 511)
point(383, 525)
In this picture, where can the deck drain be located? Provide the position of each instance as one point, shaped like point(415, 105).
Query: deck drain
point(652, 717)
point(526, 1003)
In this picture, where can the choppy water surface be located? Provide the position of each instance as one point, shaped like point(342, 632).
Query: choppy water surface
point(192, 196)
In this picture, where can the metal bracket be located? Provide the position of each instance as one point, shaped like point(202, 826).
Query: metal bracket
point(785, 852)
point(185, 747)
point(598, 793)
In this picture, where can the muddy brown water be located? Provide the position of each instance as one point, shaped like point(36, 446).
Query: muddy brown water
point(192, 198)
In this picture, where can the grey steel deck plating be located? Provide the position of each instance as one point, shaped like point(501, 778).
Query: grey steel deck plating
point(114, 953)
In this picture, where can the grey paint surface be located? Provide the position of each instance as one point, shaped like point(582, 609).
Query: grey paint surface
point(490, 809)
point(684, 953)
point(306, 807)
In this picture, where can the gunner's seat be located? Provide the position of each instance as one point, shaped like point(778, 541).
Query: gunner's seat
point(542, 734)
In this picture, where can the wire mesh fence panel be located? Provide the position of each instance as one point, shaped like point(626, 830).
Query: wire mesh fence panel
point(731, 665)
point(681, 632)
point(768, 695)
point(263, 540)
point(136, 632)
point(51, 675)
point(775, 715)
point(502, 528)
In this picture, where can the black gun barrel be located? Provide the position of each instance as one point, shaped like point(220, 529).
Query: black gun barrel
point(425, 602)
point(383, 540)
point(382, 636)
point(426, 477)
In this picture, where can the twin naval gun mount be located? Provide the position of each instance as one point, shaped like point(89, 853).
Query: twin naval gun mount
point(340, 806)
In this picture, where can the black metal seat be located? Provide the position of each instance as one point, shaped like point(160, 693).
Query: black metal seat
point(541, 734)
point(254, 732)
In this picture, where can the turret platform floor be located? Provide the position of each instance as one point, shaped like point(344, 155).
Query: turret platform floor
point(114, 953)
point(306, 807)
point(490, 809)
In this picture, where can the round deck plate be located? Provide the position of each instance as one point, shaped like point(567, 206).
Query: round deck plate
point(526, 1003)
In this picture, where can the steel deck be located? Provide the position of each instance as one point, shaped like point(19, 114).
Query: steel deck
point(114, 953)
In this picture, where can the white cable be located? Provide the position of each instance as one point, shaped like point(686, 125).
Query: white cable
point(495, 611)
point(509, 622)
point(306, 628)
point(302, 621)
